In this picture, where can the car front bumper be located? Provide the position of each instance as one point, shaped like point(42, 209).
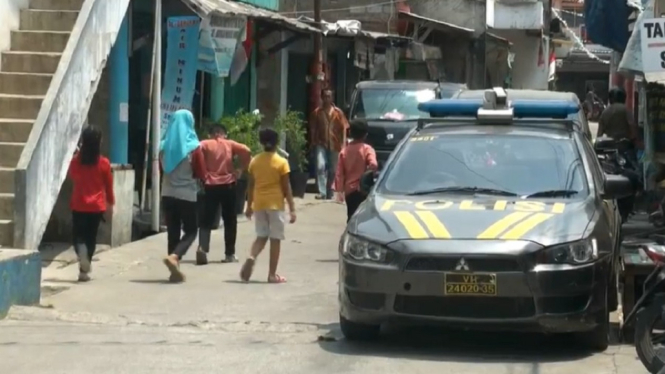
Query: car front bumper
point(545, 298)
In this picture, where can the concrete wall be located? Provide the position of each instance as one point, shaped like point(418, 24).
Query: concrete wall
point(526, 72)
point(59, 228)
point(9, 19)
point(20, 278)
point(465, 13)
point(373, 17)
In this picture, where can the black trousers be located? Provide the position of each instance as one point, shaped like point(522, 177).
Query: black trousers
point(180, 217)
point(84, 230)
point(216, 197)
point(353, 201)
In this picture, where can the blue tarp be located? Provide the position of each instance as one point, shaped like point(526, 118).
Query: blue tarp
point(607, 23)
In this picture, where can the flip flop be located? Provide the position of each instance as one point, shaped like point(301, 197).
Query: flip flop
point(247, 269)
point(277, 279)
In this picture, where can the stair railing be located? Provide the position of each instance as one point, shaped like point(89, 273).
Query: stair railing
point(44, 162)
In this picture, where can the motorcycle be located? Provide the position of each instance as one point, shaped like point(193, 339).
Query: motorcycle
point(617, 157)
point(649, 311)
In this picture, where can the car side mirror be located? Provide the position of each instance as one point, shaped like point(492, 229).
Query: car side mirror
point(367, 181)
point(617, 187)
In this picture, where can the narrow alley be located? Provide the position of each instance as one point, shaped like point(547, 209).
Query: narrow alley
point(131, 320)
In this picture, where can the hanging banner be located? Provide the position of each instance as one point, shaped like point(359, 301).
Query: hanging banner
point(217, 43)
point(182, 46)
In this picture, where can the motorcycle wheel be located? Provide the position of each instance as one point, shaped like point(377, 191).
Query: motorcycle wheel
point(646, 319)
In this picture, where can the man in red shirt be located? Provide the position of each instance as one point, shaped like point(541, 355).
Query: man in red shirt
point(220, 191)
point(354, 160)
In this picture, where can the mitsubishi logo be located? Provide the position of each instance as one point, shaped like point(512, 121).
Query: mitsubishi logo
point(462, 265)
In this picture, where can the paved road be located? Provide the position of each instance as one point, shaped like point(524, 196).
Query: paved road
point(130, 321)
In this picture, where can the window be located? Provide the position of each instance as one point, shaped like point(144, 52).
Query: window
point(517, 164)
point(392, 104)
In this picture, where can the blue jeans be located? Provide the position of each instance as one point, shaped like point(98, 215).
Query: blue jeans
point(326, 164)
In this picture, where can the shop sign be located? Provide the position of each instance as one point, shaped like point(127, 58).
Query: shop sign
point(180, 67)
point(652, 34)
point(217, 44)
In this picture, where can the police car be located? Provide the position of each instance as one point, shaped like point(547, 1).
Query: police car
point(491, 214)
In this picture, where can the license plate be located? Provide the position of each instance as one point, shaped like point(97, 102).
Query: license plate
point(470, 284)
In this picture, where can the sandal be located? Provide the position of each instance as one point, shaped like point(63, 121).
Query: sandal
point(247, 269)
point(277, 279)
point(176, 275)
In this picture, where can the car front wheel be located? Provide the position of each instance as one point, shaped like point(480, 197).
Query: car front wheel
point(358, 331)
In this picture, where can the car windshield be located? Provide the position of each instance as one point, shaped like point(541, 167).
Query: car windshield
point(500, 164)
point(391, 104)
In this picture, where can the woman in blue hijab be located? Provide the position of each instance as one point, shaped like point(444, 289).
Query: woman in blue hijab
point(183, 165)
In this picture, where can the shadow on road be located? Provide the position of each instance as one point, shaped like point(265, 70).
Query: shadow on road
point(438, 344)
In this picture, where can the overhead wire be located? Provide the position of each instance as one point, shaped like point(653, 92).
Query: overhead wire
point(576, 39)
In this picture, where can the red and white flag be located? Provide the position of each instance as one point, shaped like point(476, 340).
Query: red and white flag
point(242, 54)
point(552, 72)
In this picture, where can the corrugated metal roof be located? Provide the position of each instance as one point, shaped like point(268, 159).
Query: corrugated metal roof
point(204, 7)
point(443, 25)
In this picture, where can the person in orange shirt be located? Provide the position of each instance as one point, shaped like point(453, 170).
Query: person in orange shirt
point(354, 160)
point(269, 186)
point(328, 127)
point(220, 191)
point(92, 196)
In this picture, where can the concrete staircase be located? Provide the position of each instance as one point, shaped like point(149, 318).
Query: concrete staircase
point(26, 71)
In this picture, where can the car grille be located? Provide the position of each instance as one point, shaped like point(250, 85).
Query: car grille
point(465, 307)
point(474, 264)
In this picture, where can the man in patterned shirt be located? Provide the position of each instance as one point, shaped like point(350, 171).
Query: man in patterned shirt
point(328, 126)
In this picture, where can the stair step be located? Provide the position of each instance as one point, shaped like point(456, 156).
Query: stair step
point(20, 106)
point(39, 41)
point(15, 130)
point(7, 180)
point(30, 62)
point(24, 83)
point(47, 20)
point(10, 154)
point(6, 206)
point(7, 233)
point(56, 4)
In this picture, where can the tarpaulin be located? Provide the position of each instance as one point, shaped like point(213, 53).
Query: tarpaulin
point(631, 60)
point(607, 23)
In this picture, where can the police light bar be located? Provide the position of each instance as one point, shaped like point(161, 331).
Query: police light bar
point(451, 107)
point(556, 109)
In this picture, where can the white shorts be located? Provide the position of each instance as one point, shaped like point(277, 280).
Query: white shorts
point(269, 224)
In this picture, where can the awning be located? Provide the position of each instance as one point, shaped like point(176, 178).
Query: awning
point(204, 7)
point(434, 24)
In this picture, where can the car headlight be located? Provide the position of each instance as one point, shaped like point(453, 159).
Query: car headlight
point(574, 253)
point(363, 250)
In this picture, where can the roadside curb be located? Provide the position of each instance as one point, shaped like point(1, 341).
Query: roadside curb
point(20, 278)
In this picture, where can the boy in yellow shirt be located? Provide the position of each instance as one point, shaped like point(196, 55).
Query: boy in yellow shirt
point(268, 187)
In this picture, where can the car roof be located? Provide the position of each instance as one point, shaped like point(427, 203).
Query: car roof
point(409, 84)
point(523, 95)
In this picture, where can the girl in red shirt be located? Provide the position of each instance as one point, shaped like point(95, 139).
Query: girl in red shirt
point(92, 196)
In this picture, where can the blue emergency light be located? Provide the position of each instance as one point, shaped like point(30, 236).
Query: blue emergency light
point(556, 109)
